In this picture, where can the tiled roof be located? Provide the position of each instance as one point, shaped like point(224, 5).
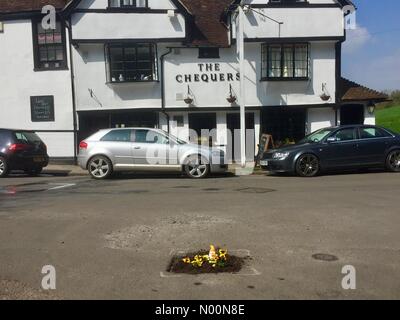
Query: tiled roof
point(209, 28)
point(11, 6)
point(351, 91)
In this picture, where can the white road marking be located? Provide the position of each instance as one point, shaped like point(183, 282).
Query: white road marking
point(61, 186)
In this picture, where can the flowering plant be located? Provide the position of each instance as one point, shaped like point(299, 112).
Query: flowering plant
point(214, 258)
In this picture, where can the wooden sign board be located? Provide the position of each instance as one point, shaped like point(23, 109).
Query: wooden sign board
point(42, 109)
point(266, 143)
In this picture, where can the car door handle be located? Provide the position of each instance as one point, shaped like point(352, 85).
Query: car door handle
point(137, 148)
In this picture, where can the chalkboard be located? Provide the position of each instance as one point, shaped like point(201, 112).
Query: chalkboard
point(42, 108)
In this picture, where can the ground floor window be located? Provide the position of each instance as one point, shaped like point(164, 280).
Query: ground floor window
point(286, 125)
point(92, 121)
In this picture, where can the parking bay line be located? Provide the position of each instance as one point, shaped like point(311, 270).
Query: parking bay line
point(61, 186)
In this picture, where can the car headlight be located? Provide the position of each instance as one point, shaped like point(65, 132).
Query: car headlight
point(280, 155)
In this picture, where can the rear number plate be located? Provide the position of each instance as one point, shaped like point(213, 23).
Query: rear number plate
point(38, 159)
point(264, 163)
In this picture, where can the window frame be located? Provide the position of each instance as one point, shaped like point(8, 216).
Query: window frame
point(36, 47)
point(215, 55)
point(122, 6)
point(153, 60)
point(265, 65)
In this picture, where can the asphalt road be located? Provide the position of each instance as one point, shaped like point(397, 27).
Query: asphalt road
point(114, 239)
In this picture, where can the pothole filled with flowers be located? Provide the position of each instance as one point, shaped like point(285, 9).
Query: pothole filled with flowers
point(216, 260)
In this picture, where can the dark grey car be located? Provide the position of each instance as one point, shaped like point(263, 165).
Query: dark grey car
point(342, 147)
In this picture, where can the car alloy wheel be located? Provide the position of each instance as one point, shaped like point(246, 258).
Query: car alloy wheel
point(197, 167)
point(100, 167)
point(3, 167)
point(393, 161)
point(307, 166)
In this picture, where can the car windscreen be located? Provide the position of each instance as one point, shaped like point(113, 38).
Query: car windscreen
point(26, 137)
point(317, 136)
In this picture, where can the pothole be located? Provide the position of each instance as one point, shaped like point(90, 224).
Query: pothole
point(233, 264)
point(325, 257)
point(255, 190)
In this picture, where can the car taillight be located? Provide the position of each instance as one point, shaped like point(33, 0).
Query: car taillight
point(83, 145)
point(18, 147)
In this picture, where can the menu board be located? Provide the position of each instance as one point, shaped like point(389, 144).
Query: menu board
point(42, 108)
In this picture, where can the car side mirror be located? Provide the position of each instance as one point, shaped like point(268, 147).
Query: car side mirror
point(331, 140)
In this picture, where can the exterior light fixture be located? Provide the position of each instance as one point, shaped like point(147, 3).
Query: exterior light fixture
point(371, 107)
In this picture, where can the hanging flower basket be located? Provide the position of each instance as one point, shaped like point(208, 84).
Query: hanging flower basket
point(188, 100)
point(325, 97)
point(231, 99)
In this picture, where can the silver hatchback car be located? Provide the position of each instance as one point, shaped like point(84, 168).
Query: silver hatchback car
point(144, 149)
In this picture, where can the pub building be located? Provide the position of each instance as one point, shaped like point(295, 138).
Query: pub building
point(173, 64)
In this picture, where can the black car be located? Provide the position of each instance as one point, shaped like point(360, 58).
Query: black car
point(344, 147)
point(21, 150)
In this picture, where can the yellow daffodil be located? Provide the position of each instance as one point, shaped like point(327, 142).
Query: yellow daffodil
point(222, 254)
point(186, 260)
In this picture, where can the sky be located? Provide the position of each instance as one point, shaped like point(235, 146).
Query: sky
point(371, 53)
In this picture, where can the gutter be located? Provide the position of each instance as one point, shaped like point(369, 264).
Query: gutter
point(163, 103)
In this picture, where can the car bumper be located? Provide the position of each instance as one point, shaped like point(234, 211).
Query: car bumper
point(82, 162)
point(218, 168)
point(276, 165)
point(19, 162)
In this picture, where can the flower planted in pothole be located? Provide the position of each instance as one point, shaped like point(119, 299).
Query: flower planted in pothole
point(213, 261)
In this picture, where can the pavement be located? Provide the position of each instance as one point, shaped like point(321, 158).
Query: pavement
point(114, 239)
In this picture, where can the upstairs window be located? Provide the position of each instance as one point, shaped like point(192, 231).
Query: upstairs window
point(285, 61)
point(49, 47)
point(131, 63)
point(287, 2)
point(128, 3)
point(209, 53)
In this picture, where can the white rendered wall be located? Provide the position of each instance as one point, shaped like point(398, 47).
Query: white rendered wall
point(297, 22)
point(90, 74)
point(320, 118)
point(19, 82)
point(103, 4)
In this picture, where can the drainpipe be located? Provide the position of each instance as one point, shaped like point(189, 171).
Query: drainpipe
point(71, 62)
point(163, 103)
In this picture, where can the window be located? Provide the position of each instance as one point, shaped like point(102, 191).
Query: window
point(27, 137)
point(285, 61)
point(209, 53)
point(345, 135)
point(118, 136)
point(148, 136)
point(131, 63)
point(180, 122)
point(128, 3)
point(49, 47)
point(372, 133)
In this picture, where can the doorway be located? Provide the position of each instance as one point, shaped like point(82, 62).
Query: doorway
point(233, 147)
point(203, 124)
point(352, 114)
